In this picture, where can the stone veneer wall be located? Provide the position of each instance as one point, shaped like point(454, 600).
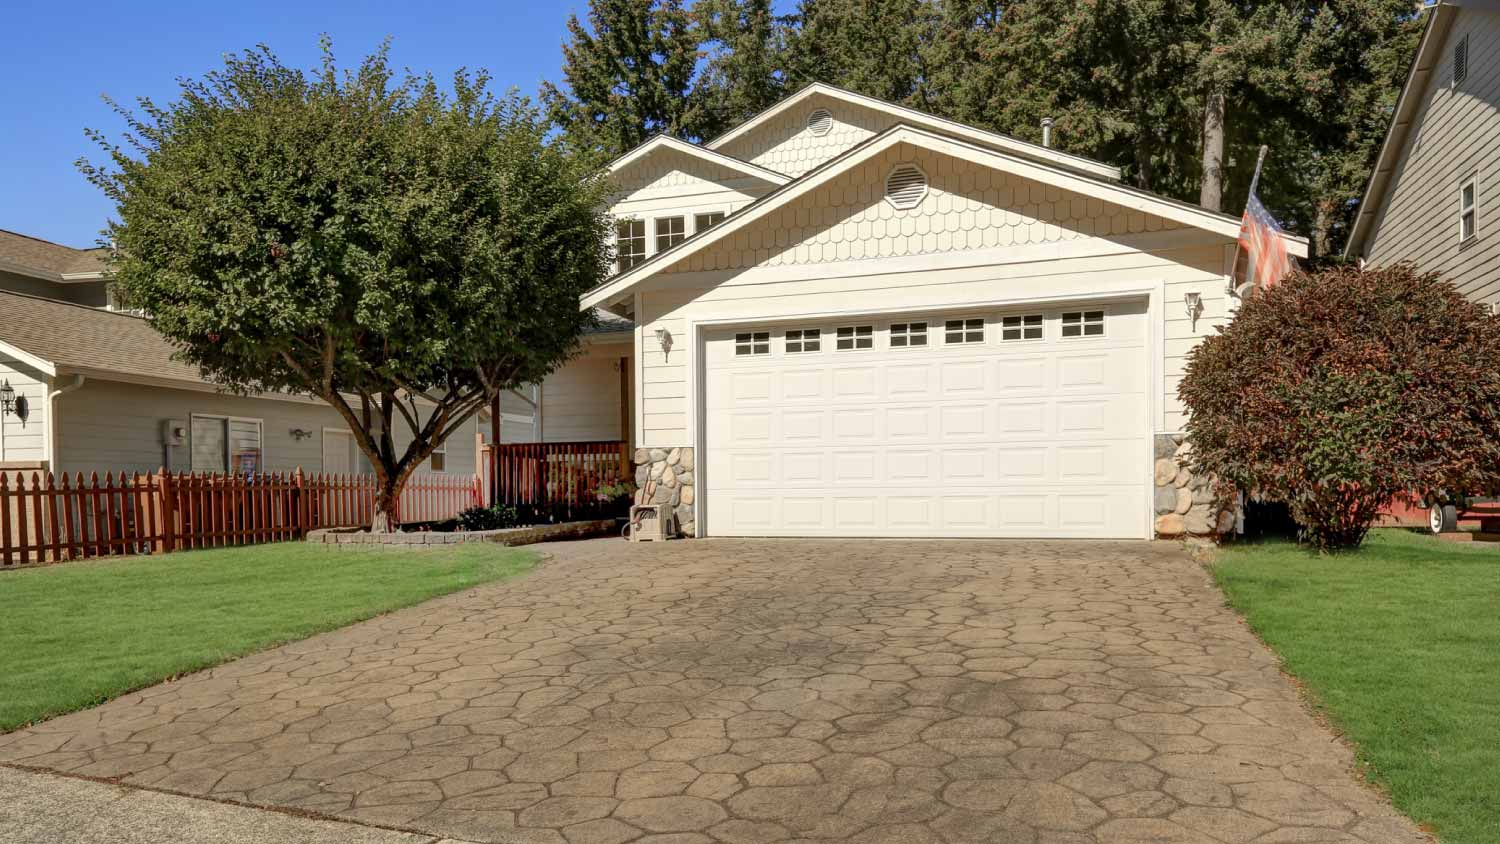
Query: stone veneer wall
point(1184, 502)
point(665, 476)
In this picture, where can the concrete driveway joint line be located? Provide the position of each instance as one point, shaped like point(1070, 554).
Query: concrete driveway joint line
point(756, 692)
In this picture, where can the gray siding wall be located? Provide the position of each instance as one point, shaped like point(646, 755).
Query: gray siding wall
point(89, 293)
point(1456, 134)
point(107, 425)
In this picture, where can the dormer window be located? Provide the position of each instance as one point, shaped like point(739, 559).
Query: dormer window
point(630, 243)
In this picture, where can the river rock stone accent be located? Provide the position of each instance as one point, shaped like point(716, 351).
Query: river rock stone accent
point(1184, 502)
point(665, 476)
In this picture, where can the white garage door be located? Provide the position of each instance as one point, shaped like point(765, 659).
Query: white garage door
point(1024, 423)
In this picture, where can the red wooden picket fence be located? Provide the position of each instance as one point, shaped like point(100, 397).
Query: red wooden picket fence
point(555, 481)
point(51, 518)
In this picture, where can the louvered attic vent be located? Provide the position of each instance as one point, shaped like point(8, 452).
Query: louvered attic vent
point(905, 187)
point(1460, 61)
point(819, 122)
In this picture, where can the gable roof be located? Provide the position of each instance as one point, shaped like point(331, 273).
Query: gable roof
point(1065, 179)
point(78, 337)
point(51, 261)
point(913, 117)
point(1424, 63)
point(661, 142)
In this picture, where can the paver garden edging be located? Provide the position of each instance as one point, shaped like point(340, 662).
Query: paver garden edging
point(418, 540)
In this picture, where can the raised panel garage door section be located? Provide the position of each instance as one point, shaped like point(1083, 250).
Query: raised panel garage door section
point(1017, 423)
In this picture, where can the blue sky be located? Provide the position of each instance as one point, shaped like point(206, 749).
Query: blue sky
point(60, 57)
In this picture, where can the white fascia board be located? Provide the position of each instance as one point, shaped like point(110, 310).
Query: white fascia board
point(1423, 63)
point(1111, 192)
point(922, 118)
point(46, 367)
point(727, 161)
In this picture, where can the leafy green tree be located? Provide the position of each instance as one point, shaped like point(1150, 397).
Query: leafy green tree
point(629, 75)
point(1336, 391)
point(402, 253)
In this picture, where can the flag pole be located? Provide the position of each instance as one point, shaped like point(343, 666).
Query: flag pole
point(1260, 161)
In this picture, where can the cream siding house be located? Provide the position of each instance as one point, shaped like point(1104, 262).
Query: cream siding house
point(910, 328)
point(1434, 197)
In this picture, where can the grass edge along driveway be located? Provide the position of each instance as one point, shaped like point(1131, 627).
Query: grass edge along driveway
point(77, 634)
point(1398, 643)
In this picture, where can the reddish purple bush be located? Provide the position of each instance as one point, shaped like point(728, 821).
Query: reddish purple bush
point(1335, 391)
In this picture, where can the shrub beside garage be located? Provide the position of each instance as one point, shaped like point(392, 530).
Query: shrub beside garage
point(1336, 391)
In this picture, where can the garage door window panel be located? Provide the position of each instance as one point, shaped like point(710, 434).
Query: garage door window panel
point(802, 341)
point(752, 343)
point(1014, 329)
point(852, 338)
point(908, 335)
point(1077, 324)
point(958, 331)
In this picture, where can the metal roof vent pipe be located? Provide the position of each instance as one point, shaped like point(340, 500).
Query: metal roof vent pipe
point(1046, 131)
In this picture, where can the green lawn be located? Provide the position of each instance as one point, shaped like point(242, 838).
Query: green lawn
point(77, 634)
point(1399, 643)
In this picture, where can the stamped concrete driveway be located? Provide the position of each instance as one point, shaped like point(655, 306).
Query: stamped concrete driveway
point(750, 692)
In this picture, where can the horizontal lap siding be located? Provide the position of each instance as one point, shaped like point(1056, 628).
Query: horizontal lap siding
point(583, 397)
point(107, 425)
point(1455, 134)
point(24, 439)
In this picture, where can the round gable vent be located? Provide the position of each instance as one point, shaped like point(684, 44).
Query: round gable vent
point(905, 187)
point(819, 122)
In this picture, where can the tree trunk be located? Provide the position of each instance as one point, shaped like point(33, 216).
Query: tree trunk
point(1211, 196)
point(1322, 229)
point(384, 515)
point(1143, 171)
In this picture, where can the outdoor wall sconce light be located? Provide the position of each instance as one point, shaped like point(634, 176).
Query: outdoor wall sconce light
point(300, 434)
point(1194, 302)
point(664, 339)
point(7, 398)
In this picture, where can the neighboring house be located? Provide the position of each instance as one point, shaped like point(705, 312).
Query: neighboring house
point(1434, 196)
point(864, 320)
point(99, 390)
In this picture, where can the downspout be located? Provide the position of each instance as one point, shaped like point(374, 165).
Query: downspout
point(52, 419)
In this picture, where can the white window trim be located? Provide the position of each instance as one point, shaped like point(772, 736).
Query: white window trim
point(443, 450)
point(645, 243)
point(984, 330)
point(802, 338)
point(752, 343)
point(855, 337)
point(723, 215)
point(656, 232)
point(1471, 209)
point(1083, 315)
point(1023, 338)
point(926, 334)
point(354, 452)
point(260, 427)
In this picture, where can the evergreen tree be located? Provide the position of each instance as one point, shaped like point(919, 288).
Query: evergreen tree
point(742, 73)
point(629, 75)
point(872, 47)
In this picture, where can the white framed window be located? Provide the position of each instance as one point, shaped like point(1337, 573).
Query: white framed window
point(438, 461)
point(1460, 61)
point(906, 335)
point(799, 340)
point(630, 243)
point(1083, 324)
point(226, 444)
point(854, 337)
point(1027, 327)
point(704, 222)
point(1468, 209)
point(963, 331)
point(670, 231)
point(752, 343)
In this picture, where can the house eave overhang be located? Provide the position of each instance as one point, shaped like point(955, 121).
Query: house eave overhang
point(911, 116)
point(40, 364)
point(667, 142)
point(615, 289)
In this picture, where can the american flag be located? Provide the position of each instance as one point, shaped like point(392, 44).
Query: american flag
point(1263, 257)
